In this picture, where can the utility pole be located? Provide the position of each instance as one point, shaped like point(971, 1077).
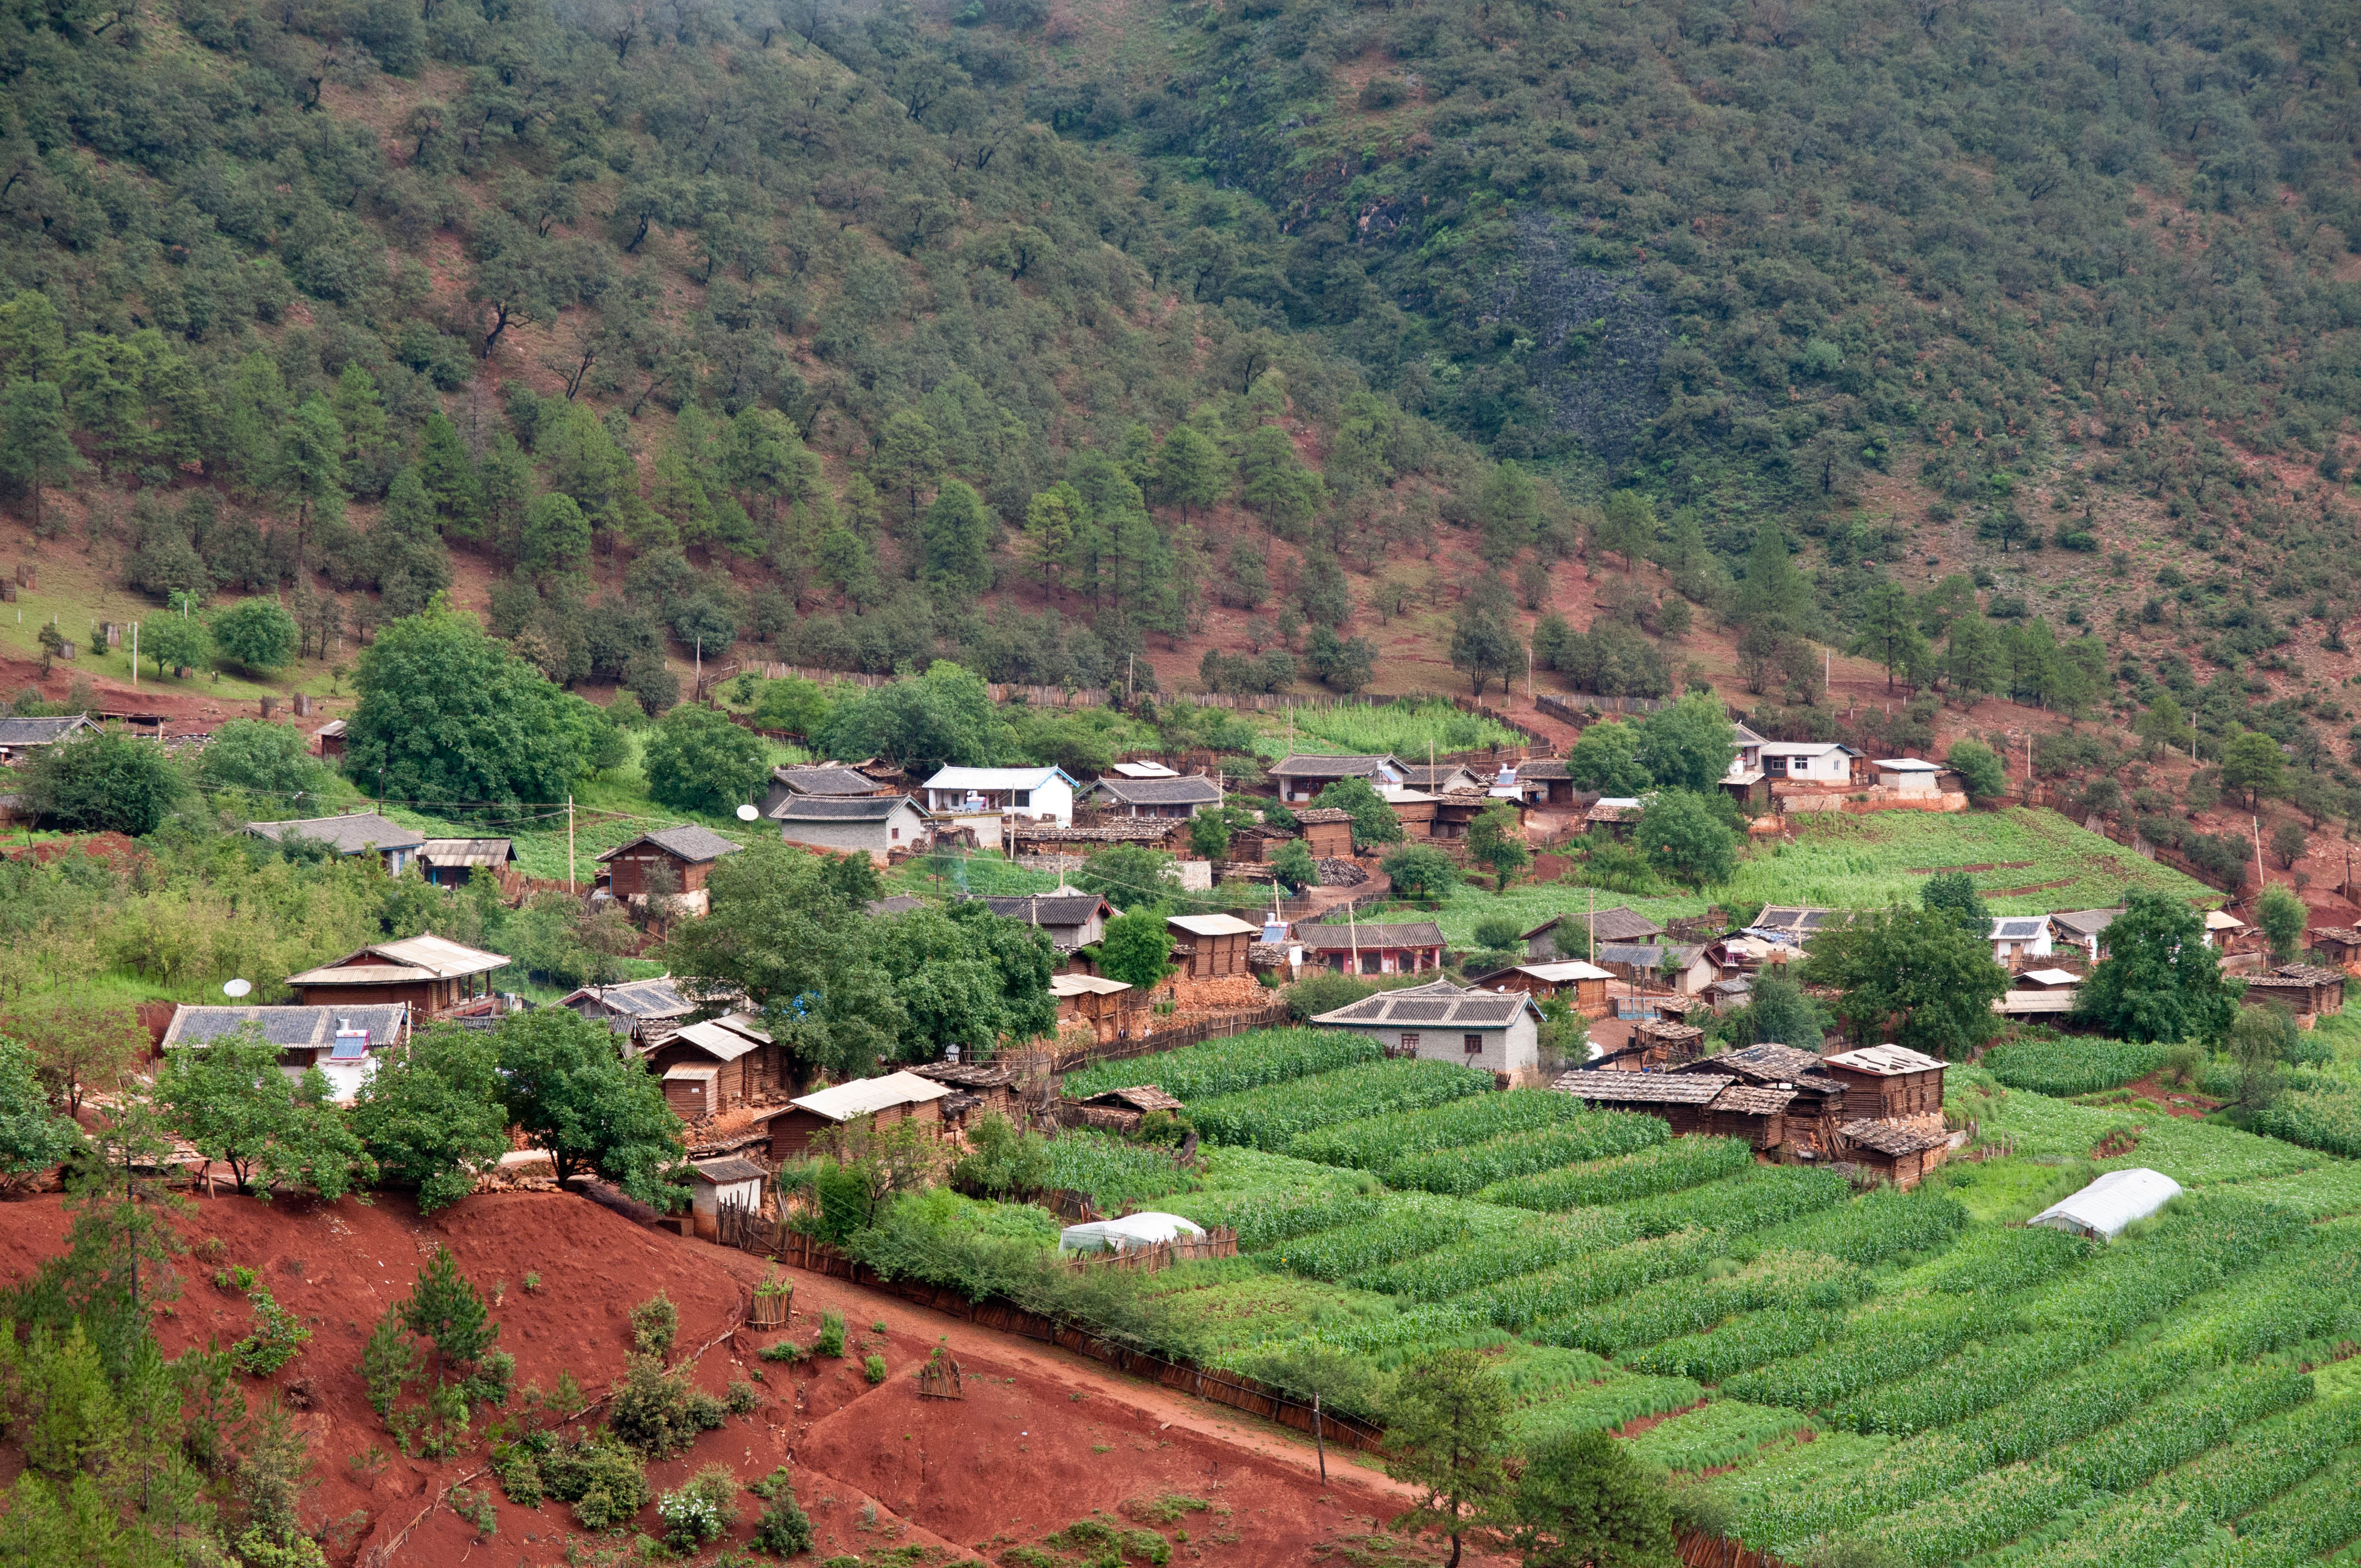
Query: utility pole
point(135, 659)
point(569, 843)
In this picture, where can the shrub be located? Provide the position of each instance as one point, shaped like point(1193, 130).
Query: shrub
point(702, 1510)
point(605, 1482)
point(873, 1367)
point(784, 1529)
point(277, 1336)
point(831, 1335)
point(657, 1413)
point(655, 1322)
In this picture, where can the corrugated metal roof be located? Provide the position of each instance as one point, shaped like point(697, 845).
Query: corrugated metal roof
point(865, 1096)
point(346, 835)
point(467, 852)
point(1085, 985)
point(722, 1044)
point(1212, 925)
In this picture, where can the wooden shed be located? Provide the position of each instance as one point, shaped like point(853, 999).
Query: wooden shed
point(2340, 944)
point(746, 1061)
point(1118, 1110)
point(1747, 1111)
point(1214, 945)
point(1679, 1097)
point(1584, 985)
point(1092, 998)
point(736, 1181)
point(1888, 1080)
point(1326, 832)
point(1900, 1154)
point(978, 1090)
point(433, 974)
point(2308, 991)
point(691, 1090)
point(674, 861)
point(895, 1097)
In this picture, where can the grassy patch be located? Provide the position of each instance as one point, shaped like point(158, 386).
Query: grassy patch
point(1406, 729)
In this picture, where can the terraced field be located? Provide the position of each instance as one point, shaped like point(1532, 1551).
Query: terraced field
point(1915, 1371)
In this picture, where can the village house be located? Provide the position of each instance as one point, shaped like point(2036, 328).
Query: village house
point(892, 904)
point(1211, 946)
point(1440, 1022)
point(1045, 794)
point(1166, 797)
point(1584, 985)
point(1706, 1103)
point(1256, 845)
point(2340, 944)
point(354, 833)
point(1091, 999)
point(674, 861)
point(1119, 1111)
point(1407, 947)
point(1576, 935)
point(2084, 928)
point(1414, 810)
point(2224, 930)
point(1326, 832)
point(345, 1043)
point(1439, 778)
point(1743, 956)
point(331, 740)
point(428, 973)
point(821, 781)
point(1645, 963)
point(21, 739)
point(1769, 1065)
point(877, 826)
point(1303, 776)
point(1794, 924)
point(1897, 1152)
point(2308, 991)
point(1543, 781)
point(978, 1090)
point(1744, 780)
point(1808, 761)
point(1887, 1081)
point(1069, 919)
point(454, 862)
point(2019, 940)
point(643, 1011)
point(731, 1182)
point(893, 1097)
point(1908, 776)
point(1614, 816)
point(716, 1065)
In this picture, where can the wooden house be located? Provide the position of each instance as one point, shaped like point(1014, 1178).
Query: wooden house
point(1326, 832)
point(1545, 782)
point(718, 1064)
point(2308, 991)
point(1900, 1154)
point(1584, 985)
point(431, 973)
point(978, 1090)
point(1257, 844)
point(1456, 812)
point(643, 1011)
point(1407, 947)
point(1118, 1110)
point(1646, 963)
point(1888, 1080)
point(331, 740)
point(1701, 1102)
point(735, 1181)
point(1213, 946)
point(2340, 944)
point(1304, 776)
point(895, 1097)
point(1613, 816)
point(1577, 936)
point(1816, 1104)
point(674, 860)
point(1092, 998)
point(1069, 919)
point(454, 862)
point(1414, 810)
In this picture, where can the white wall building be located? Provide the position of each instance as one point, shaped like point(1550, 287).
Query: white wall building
point(1043, 794)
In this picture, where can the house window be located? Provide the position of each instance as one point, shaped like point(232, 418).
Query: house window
point(1410, 1040)
point(894, 834)
point(1022, 797)
point(1373, 963)
point(1472, 1043)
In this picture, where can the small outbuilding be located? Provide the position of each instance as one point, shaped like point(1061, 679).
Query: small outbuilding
point(1213, 947)
point(1909, 776)
point(1614, 816)
point(1583, 986)
point(1118, 1110)
point(978, 1090)
point(894, 1097)
point(1888, 1080)
point(735, 1183)
point(642, 1009)
point(454, 862)
point(1092, 998)
point(1900, 1152)
point(2340, 944)
point(674, 860)
point(1326, 832)
point(2102, 1210)
point(744, 1059)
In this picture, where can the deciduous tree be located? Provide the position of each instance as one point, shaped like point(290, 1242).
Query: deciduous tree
point(1916, 972)
point(2159, 980)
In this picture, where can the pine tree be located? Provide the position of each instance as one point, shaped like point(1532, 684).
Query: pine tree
point(251, 415)
point(412, 565)
point(312, 466)
point(34, 441)
point(955, 538)
point(908, 459)
point(1052, 519)
point(1189, 470)
point(1775, 595)
point(449, 476)
point(369, 451)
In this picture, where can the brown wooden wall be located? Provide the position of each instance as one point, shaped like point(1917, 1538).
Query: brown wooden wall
point(1869, 1096)
point(1213, 958)
point(629, 873)
point(1329, 840)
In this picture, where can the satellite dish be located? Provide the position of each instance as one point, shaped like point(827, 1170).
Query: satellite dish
point(747, 813)
point(237, 986)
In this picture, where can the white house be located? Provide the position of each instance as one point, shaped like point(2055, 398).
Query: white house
point(2017, 937)
point(1304, 776)
point(875, 824)
point(1497, 1031)
point(1808, 761)
point(1746, 759)
point(735, 1181)
point(1044, 793)
point(2085, 928)
point(1907, 775)
point(344, 1043)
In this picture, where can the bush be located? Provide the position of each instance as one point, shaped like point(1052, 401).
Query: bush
point(784, 1529)
point(831, 1335)
point(102, 783)
point(702, 1510)
point(873, 1367)
point(657, 1413)
point(277, 1336)
point(1318, 993)
point(605, 1482)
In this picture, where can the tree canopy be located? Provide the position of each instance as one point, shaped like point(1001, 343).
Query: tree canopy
point(2160, 981)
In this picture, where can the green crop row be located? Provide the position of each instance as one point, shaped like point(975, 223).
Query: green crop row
point(2261, 1461)
point(1273, 1117)
point(1876, 1349)
point(1372, 1142)
point(2133, 1533)
point(1471, 1169)
point(2307, 1521)
point(1405, 1225)
point(1995, 1262)
point(2193, 1153)
point(1542, 1242)
point(1413, 1328)
point(1881, 1228)
point(2327, 1118)
point(1231, 1066)
point(1741, 1344)
point(1669, 1167)
point(1552, 1292)
point(1713, 1434)
point(2181, 1426)
point(1113, 1171)
point(2071, 1067)
point(1264, 1220)
point(1682, 1306)
point(1604, 1407)
point(1980, 1513)
point(1753, 1199)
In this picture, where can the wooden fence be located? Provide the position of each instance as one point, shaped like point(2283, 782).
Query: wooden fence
point(1003, 1316)
point(1699, 1550)
point(1219, 1242)
point(1582, 707)
point(1195, 1032)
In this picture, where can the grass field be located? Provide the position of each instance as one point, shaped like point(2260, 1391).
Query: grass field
point(1406, 729)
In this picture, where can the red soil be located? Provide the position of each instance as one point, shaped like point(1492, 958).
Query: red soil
point(1043, 1438)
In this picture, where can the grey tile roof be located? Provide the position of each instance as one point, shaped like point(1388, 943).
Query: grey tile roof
point(2086, 922)
point(829, 778)
point(722, 1172)
point(1194, 790)
point(656, 998)
point(1648, 955)
point(286, 1026)
point(1315, 813)
point(1312, 765)
point(40, 731)
point(689, 842)
point(1621, 924)
point(1542, 768)
point(1642, 1087)
point(1366, 936)
point(897, 904)
point(1070, 909)
point(346, 835)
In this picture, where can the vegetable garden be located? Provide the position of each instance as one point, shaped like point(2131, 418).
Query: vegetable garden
point(1966, 1385)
